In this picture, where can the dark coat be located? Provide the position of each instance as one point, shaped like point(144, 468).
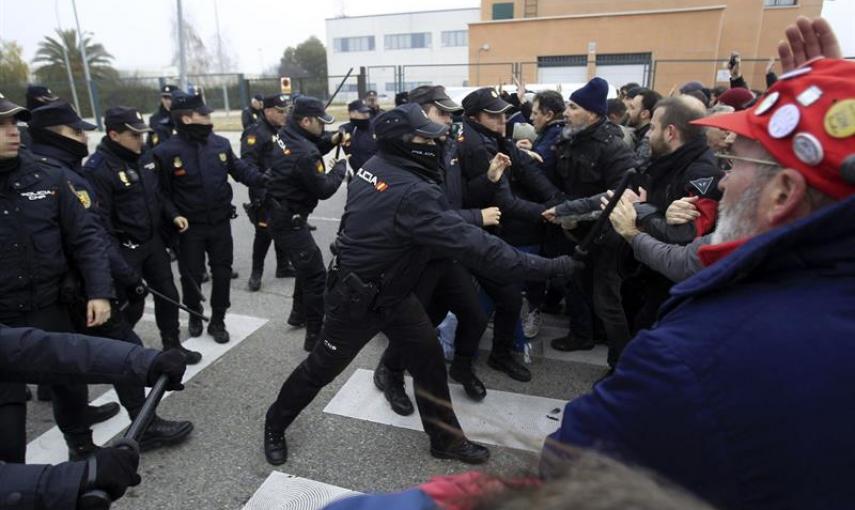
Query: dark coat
point(592, 161)
point(362, 145)
point(257, 144)
point(163, 126)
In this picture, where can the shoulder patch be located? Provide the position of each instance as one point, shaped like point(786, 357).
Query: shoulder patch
point(702, 185)
point(177, 163)
point(155, 139)
point(84, 198)
point(223, 157)
point(250, 140)
point(319, 167)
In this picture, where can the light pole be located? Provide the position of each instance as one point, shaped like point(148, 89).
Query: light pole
point(65, 57)
point(85, 66)
point(484, 47)
point(182, 59)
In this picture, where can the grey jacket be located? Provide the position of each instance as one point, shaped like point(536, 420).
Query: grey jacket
point(677, 262)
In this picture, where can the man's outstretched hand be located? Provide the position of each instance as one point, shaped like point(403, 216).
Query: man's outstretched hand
point(807, 39)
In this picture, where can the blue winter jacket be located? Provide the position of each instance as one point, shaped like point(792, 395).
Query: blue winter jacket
point(744, 391)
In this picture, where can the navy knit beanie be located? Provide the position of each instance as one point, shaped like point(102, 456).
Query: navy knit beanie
point(592, 96)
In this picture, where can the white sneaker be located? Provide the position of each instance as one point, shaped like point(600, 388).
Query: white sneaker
point(531, 324)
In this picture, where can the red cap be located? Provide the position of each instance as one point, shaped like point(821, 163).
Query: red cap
point(806, 121)
point(736, 97)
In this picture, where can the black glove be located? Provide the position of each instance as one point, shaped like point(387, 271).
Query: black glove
point(172, 364)
point(136, 291)
point(115, 469)
point(562, 268)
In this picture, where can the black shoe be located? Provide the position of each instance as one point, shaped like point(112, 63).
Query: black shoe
point(254, 283)
point(465, 451)
point(195, 326)
point(310, 341)
point(471, 384)
point(392, 386)
point(44, 393)
point(80, 447)
point(311, 227)
point(510, 366)
point(191, 357)
point(275, 446)
point(217, 329)
point(285, 272)
point(235, 275)
point(570, 343)
point(206, 277)
point(97, 414)
point(296, 318)
point(162, 433)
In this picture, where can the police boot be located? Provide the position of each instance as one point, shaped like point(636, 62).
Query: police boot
point(195, 326)
point(275, 446)
point(570, 343)
point(217, 327)
point(506, 363)
point(297, 317)
point(465, 451)
point(391, 383)
point(171, 342)
point(254, 283)
point(311, 340)
point(162, 433)
point(97, 414)
point(44, 393)
point(80, 446)
point(462, 372)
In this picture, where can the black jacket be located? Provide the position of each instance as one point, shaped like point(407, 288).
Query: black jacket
point(298, 175)
point(397, 218)
point(249, 116)
point(194, 177)
point(453, 184)
point(161, 122)
point(257, 144)
point(593, 160)
point(42, 219)
point(362, 145)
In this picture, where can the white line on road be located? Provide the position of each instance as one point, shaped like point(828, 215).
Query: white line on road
point(323, 218)
point(282, 491)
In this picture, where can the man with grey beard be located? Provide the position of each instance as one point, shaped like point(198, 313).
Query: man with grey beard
point(741, 391)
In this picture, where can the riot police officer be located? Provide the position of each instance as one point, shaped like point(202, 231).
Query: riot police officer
point(360, 145)
point(252, 113)
point(298, 181)
point(36, 96)
point(160, 122)
point(193, 169)
point(257, 145)
point(395, 219)
point(42, 219)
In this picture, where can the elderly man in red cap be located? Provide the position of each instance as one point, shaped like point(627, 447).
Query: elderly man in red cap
point(743, 391)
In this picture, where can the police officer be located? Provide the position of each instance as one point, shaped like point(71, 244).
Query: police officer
point(131, 208)
point(160, 122)
point(36, 96)
point(257, 145)
point(360, 146)
point(298, 181)
point(193, 169)
point(373, 103)
point(395, 219)
point(252, 113)
point(42, 219)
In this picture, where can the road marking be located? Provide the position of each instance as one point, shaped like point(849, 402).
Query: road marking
point(50, 448)
point(324, 218)
point(281, 491)
point(504, 419)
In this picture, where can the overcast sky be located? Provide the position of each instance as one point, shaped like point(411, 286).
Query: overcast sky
point(138, 33)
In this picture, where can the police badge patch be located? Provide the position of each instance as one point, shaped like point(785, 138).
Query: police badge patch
point(250, 140)
point(223, 157)
point(319, 167)
point(84, 198)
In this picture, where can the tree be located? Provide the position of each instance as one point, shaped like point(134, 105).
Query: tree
point(50, 55)
point(308, 59)
point(197, 56)
point(13, 69)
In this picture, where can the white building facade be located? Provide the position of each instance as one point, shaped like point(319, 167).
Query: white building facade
point(400, 51)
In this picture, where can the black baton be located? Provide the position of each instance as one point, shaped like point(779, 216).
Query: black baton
point(179, 305)
point(582, 249)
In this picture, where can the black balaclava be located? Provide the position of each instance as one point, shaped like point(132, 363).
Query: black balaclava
point(48, 137)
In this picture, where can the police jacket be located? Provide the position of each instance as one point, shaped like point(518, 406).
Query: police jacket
point(362, 145)
point(70, 164)
point(161, 122)
point(40, 218)
point(753, 413)
point(690, 170)
point(33, 356)
point(453, 184)
point(127, 195)
point(257, 144)
point(194, 177)
point(593, 160)
point(298, 174)
point(397, 218)
point(249, 116)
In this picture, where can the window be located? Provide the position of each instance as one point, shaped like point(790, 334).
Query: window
point(347, 44)
point(407, 41)
point(453, 38)
point(503, 10)
point(780, 3)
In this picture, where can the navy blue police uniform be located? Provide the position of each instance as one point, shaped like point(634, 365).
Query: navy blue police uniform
point(396, 219)
point(193, 169)
point(160, 122)
point(361, 145)
point(250, 115)
point(298, 181)
point(257, 144)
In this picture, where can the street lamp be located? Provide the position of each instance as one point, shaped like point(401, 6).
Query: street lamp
point(484, 47)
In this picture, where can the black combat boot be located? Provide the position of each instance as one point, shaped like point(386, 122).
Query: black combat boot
point(195, 326)
point(97, 414)
point(505, 362)
point(297, 317)
point(171, 342)
point(275, 447)
point(254, 283)
point(465, 451)
point(80, 446)
point(44, 393)
point(462, 372)
point(217, 327)
point(162, 433)
point(391, 383)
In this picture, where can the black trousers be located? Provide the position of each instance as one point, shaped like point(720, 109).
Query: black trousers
point(215, 240)
point(69, 401)
point(152, 262)
point(446, 285)
point(602, 280)
point(260, 245)
point(342, 338)
point(308, 263)
point(507, 299)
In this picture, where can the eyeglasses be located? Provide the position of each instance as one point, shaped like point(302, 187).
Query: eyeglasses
point(730, 158)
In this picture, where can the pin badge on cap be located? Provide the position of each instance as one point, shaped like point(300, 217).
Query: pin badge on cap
point(784, 121)
point(795, 73)
point(767, 102)
point(840, 119)
point(808, 149)
point(809, 96)
point(493, 92)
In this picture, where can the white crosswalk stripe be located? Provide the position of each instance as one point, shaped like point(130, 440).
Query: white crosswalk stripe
point(281, 491)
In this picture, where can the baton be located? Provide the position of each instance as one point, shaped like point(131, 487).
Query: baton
point(340, 85)
point(179, 305)
point(581, 251)
point(96, 499)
